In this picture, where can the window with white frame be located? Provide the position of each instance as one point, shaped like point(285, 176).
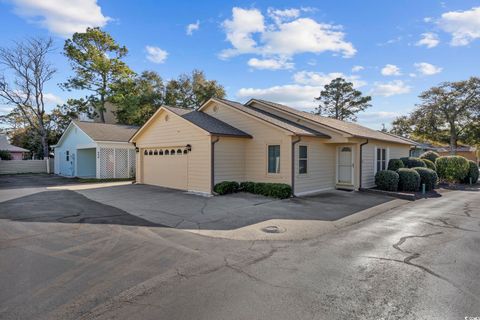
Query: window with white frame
point(302, 159)
point(274, 159)
point(381, 159)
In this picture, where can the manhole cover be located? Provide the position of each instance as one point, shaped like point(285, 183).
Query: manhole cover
point(273, 229)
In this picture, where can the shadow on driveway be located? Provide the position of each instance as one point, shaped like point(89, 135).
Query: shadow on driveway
point(33, 180)
point(67, 207)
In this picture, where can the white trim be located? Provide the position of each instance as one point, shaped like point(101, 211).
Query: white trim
point(305, 193)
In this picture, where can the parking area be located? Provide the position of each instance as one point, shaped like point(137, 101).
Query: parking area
point(134, 204)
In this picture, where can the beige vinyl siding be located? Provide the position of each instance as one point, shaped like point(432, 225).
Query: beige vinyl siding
point(321, 163)
point(177, 132)
point(394, 151)
point(230, 159)
point(256, 152)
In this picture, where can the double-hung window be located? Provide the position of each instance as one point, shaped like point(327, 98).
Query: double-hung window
point(67, 155)
point(381, 159)
point(274, 159)
point(302, 159)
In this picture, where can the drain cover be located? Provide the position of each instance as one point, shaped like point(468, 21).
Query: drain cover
point(273, 229)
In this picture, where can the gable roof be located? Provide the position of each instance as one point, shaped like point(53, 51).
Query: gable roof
point(106, 132)
point(5, 145)
point(203, 121)
point(351, 128)
point(273, 119)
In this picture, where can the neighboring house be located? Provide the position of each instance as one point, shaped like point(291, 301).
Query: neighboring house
point(16, 152)
point(98, 150)
point(420, 148)
point(260, 141)
point(471, 153)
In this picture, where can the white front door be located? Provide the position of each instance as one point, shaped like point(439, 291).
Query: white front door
point(345, 165)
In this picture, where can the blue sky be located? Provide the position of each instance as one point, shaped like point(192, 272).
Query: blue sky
point(283, 51)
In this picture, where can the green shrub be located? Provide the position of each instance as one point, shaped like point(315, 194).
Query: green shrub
point(409, 179)
point(430, 164)
point(247, 186)
point(429, 155)
point(428, 177)
point(395, 164)
point(226, 187)
point(452, 168)
point(412, 162)
point(387, 179)
point(472, 172)
point(5, 155)
point(274, 190)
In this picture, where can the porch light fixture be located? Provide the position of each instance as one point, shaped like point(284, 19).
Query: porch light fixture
point(137, 149)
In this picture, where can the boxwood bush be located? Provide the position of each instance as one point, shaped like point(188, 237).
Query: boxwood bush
point(226, 187)
point(274, 190)
point(409, 179)
point(412, 162)
point(472, 172)
point(387, 180)
point(247, 186)
point(428, 177)
point(430, 164)
point(395, 164)
point(452, 168)
point(429, 155)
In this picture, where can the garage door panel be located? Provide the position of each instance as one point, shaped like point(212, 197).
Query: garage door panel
point(170, 171)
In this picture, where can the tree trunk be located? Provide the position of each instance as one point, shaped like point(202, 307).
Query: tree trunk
point(453, 139)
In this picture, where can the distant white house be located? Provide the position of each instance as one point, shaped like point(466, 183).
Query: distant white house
point(95, 150)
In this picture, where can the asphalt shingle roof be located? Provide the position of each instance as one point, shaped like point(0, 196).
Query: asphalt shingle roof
point(207, 122)
point(344, 126)
point(278, 121)
point(5, 145)
point(106, 131)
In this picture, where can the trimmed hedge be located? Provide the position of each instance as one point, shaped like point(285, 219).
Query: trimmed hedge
point(409, 179)
point(428, 177)
point(247, 186)
point(452, 168)
point(430, 164)
point(429, 155)
point(226, 187)
point(395, 164)
point(387, 180)
point(472, 173)
point(412, 162)
point(275, 190)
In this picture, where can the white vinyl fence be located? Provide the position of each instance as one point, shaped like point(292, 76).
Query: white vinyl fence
point(25, 166)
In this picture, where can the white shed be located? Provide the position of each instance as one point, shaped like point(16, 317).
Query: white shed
point(95, 150)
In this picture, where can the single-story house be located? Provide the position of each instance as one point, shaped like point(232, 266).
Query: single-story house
point(96, 150)
point(259, 141)
point(17, 153)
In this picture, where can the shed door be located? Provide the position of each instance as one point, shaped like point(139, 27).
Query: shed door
point(166, 168)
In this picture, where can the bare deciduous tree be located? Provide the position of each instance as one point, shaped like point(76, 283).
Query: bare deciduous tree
point(25, 72)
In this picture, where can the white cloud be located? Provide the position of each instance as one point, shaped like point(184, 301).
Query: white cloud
point(307, 85)
point(429, 39)
point(270, 64)
point(427, 69)
point(376, 118)
point(62, 17)
point(51, 99)
point(193, 27)
point(464, 26)
point(390, 70)
point(248, 33)
point(156, 55)
point(391, 88)
point(239, 31)
point(357, 68)
point(320, 79)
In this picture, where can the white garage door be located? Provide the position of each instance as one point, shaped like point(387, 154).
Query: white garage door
point(165, 167)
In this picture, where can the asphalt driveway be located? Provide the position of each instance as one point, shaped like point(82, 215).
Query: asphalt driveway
point(188, 211)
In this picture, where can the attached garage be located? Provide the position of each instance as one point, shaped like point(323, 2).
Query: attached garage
point(174, 148)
